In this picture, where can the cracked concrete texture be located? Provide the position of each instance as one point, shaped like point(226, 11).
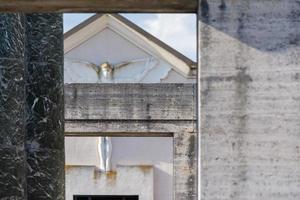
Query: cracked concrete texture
point(250, 56)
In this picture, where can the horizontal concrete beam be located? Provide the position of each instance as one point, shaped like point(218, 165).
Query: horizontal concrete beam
point(111, 6)
point(94, 128)
point(130, 102)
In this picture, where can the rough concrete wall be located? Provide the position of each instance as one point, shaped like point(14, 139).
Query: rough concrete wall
point(130, 101)
point(250, 57)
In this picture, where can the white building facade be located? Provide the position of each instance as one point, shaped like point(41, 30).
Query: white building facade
point(110, 49)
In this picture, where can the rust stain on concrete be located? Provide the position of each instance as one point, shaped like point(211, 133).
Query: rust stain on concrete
point(145, 168)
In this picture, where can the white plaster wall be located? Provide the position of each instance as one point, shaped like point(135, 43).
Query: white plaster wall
point(126, 180)
point(106, 46)
point(129, 151)
point(109, 46)
point(148, 151)
point(81, 151)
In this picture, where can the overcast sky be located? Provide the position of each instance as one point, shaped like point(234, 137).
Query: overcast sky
point(177, 30)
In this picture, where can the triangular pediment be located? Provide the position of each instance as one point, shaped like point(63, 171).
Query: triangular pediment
point(112, 38)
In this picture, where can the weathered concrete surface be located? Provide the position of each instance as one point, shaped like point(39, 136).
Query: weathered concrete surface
point(130, 101)
point(12, 107)
point(144, 109)
point(45, 105)
point(250, 69)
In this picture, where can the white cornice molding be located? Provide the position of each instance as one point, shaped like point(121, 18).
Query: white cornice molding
point(85, 33)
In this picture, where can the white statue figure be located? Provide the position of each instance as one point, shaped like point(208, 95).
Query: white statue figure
point(106, 71)
point(105, 152)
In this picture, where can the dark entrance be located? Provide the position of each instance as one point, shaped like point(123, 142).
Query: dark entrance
point(104, 197)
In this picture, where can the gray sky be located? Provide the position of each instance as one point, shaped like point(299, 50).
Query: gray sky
point(177, 30)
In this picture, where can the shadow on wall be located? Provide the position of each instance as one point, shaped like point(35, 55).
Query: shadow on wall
point(166, 180)
point(260, 24)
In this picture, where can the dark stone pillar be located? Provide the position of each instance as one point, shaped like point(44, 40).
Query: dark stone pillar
point(45, 122)
point(12, 110)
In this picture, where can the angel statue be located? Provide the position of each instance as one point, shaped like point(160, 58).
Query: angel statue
point(106, 71)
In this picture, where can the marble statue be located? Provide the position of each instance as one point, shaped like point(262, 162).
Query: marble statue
point(105, 152)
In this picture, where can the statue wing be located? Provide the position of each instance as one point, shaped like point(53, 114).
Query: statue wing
point(88, 64)
point(150, 63)
point(126, 63)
